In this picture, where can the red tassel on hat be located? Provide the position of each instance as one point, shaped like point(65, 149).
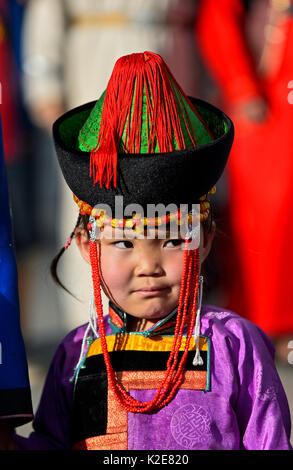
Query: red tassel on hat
point(132, 77)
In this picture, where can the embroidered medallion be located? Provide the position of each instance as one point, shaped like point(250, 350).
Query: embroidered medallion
point(190, 425)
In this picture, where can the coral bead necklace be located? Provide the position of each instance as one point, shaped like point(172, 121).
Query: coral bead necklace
point(186, 314)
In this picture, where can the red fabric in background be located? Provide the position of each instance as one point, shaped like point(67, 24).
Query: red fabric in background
point(260, 170)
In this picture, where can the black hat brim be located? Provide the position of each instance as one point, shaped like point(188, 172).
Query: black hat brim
point(178, 177)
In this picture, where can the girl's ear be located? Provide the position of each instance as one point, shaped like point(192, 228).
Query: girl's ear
point(82, 241)
point(207, 242)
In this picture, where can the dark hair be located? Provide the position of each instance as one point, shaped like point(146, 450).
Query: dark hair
point(82, 222)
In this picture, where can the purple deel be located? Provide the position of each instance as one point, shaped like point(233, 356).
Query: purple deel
point(246, 407)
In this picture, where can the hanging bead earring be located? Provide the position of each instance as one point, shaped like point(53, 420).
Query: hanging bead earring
point(68, 243)
point(198, 361)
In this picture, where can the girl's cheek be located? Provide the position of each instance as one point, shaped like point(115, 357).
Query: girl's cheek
point(115, 270)
point(174, 267)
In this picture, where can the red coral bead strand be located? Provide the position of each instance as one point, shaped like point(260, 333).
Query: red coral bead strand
point(129, 402)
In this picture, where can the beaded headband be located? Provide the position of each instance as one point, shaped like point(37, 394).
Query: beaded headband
point(137, 223)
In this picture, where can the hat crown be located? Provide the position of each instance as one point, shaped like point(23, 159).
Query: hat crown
point(143, 110)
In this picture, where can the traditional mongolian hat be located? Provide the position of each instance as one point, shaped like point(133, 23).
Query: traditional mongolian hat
point(146, 141)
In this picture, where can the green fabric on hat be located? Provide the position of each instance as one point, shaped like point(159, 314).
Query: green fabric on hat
point(88, 136)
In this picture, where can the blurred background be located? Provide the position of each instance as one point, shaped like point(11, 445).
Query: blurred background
point(237, 54)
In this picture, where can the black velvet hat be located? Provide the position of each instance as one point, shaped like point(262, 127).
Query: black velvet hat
point(180, 175)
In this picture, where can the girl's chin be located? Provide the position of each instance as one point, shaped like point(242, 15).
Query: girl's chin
point(153, 312)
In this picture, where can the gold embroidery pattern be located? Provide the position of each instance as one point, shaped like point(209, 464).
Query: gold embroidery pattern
point(137, 342)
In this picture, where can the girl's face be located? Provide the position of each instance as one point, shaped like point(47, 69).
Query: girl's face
point(143, 275)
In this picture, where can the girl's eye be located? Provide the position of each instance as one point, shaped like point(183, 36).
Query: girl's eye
point(174, 243)
point(123, 244)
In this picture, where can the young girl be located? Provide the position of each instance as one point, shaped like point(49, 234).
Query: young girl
point(158, 370)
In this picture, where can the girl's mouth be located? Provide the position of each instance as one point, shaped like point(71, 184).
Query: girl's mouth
point(151, 291)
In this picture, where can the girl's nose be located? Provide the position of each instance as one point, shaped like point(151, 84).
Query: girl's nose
point(149, 264)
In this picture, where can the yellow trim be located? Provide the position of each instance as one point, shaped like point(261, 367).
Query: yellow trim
point(102, 218)
point(137, 342)
point(103, 19)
